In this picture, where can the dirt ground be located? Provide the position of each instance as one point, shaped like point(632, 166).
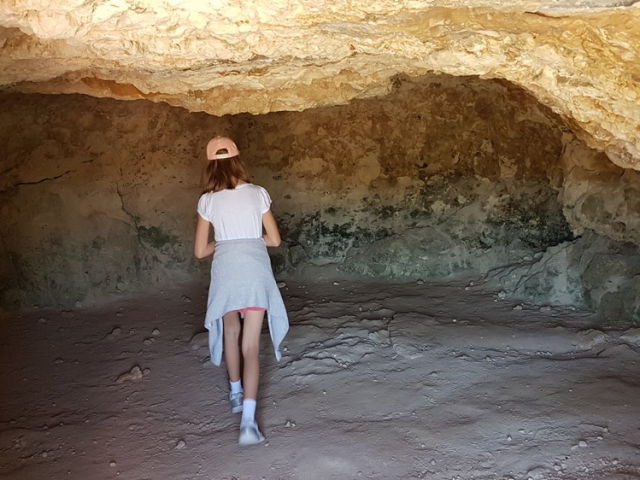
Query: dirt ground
point(377, 381)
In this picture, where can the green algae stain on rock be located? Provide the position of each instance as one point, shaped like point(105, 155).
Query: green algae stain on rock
point(536, 219)
point(155, 237)
point(320, 240)
point(163, 242)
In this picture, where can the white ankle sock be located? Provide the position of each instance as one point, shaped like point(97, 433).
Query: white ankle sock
point(249, 411)
point(236, 387)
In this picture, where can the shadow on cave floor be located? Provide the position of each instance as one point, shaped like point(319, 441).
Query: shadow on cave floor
point(386, 381)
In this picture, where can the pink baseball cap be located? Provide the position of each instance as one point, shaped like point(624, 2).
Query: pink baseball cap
point(221, 143)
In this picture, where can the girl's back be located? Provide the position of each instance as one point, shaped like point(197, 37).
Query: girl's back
point(235, 213)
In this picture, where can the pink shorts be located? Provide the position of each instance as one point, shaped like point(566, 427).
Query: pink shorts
point(251, 309)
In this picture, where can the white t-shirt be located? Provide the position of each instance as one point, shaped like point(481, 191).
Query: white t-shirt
point(235, 214)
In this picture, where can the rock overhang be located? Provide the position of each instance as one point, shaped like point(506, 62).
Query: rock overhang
point(580, 58)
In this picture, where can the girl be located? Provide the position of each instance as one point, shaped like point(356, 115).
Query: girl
point(242, 281)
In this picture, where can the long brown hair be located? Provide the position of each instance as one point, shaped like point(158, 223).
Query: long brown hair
point(223, 174)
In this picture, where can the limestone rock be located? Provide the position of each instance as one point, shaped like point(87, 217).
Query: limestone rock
point(582, 59)
point(134, 375)
point(592, 271)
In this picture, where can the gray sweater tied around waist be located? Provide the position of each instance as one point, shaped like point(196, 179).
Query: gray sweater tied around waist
point(241, 277)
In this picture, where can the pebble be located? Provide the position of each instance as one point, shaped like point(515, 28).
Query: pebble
point(116, 331)
point(582, 444)
point(148, 341)
point(155, 332)
point(281, 284)
point(545, 309)
point(288, 424)
point(508, 438)
point(186, 299)
point(134, 375)
point(78, 304)
point(336, 283)
point(180, 445)
point(420, 282)
point(518, 307)
point(42, 320)
point(112, 464)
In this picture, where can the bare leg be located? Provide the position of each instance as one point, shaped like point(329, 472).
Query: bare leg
point(231, 345)
point(250, 351)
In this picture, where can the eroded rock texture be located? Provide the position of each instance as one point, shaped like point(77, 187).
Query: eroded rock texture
point(415, 173)
point(444, 176)
point(580, 58)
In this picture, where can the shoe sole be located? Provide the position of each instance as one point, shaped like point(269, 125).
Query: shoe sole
point(237, 409)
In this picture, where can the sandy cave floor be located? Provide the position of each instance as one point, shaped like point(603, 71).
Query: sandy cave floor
point(378, 381)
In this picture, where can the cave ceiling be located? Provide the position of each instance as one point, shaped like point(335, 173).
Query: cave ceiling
point(581, 58)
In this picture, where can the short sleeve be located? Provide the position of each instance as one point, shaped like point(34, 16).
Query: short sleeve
point(202, 208)
point(265, 201)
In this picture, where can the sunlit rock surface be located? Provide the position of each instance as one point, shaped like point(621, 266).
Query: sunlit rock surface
point(580, 58)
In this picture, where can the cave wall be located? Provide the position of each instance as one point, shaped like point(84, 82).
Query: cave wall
point(97, 197)
point(444, 176)
point(599, 196)
point(600, 269)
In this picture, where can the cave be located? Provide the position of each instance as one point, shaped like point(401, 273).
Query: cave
point(458, 195)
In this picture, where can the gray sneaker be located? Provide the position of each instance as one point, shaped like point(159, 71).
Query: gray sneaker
point(236, 402)
point(250, 434)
